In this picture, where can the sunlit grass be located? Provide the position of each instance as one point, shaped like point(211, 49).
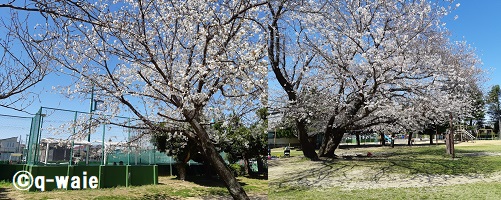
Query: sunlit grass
point(4, 184)
point(429, 160)
point(425, 159)
point(457, 192)
point(168, 189)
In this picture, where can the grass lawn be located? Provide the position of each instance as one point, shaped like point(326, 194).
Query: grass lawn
point(423, 172)
point(456, 192)
point(169, 188)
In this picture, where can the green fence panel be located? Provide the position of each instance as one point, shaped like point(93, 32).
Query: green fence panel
point(143, 175)
point(165, 170)
point(49, 172)
point(7, 171)
point(112, 176)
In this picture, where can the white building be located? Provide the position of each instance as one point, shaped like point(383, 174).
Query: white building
point(9, 146)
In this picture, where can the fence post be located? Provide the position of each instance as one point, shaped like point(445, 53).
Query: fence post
point(128, 141)
point(103, 148)
point(38, 135)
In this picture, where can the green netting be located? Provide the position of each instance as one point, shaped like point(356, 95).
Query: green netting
point(146, 157)
point(65, 137)
point(77, 138)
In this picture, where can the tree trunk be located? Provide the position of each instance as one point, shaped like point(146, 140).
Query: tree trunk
point(383, 140)
point(326, 141)
point(260, 165)
point(449, 138)
point(499, 128)
point(208, 170)
point(409, 140)
point(357, 134)
point(393, 140)
point(306, 146)
point(181, 170)
point(246, 165)
point(332, 139)
point(216, 161)
point(436, 136)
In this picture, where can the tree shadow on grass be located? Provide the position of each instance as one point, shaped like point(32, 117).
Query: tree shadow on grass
point(208, 182)
point(435, 161)
point(425, 161)
point(3, 193)
point(258, 177)
point(304, 177)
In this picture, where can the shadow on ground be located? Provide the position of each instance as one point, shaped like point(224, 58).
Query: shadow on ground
point(3, 193)
point(207, 182)
point(412, 161)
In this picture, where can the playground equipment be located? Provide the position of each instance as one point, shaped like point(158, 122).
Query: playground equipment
point(486, 134)
point(350, 138)
point(387, 138)
point(462, 134)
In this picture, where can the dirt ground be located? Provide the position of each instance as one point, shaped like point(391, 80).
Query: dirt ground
point(319, 174)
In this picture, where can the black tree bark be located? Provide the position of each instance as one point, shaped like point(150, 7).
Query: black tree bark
point(409, 139)
point(393, 140)
point(431, 137)
point(181, 170)
point(332, 139)
point(358, 138)
point(383, 140)
point(306, 146)
point(218, 164)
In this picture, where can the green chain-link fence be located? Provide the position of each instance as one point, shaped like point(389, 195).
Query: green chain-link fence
point(68, 137)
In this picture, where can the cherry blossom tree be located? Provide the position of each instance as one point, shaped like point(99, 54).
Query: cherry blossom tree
point(163, 61)
point(21, 65)
point(368, 65)
point(389, 57)
point(289, 63)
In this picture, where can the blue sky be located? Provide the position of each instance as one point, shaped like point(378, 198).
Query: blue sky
point(478, 23)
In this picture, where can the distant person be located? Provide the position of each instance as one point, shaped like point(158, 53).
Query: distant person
point(287, 151)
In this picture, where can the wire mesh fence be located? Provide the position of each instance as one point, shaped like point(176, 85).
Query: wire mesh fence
point(60, 136)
